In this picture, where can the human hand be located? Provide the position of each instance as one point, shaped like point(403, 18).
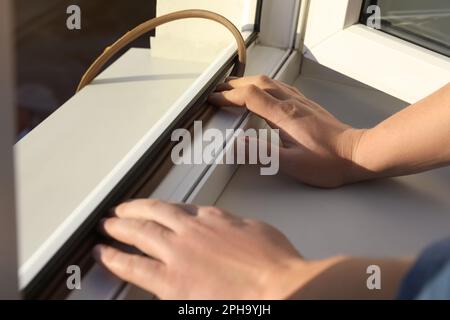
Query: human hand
point(199, 253)
point(317, 148)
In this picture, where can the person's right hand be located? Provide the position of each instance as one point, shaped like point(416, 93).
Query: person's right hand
point(195, 252)
point(317, 149)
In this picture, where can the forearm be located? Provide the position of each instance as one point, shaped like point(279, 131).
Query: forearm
point(346, 278)
point(413, 140)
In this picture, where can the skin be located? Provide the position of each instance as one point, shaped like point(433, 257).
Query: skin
point(332, 153)
point(192, 252)
point(206, 253)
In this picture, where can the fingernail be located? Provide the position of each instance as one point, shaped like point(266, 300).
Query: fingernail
point(112, 211)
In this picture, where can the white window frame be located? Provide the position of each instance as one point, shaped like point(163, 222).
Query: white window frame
point(397, 67)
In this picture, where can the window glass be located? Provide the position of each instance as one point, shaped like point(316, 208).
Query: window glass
point(52, 53)
point(423, 22)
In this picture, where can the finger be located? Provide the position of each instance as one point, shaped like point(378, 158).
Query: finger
point(146, 235)
point(141, 271)
point(275, 91)
point(250, 97)
point(169, 215)
point(263, 104)
point(260, 81)
point(231, 78)
point(272, 87)
point(224, 86)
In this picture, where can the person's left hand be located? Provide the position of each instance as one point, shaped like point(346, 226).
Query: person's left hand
point(196, 252)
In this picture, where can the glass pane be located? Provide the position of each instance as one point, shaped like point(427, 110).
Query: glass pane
point(423, 22)
point(51, 58)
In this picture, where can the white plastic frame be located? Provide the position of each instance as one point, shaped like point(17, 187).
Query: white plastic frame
point(404, 70)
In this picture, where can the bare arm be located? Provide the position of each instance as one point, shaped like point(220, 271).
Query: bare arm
point(348, 277)
point(193, 252)
point(320, 150)
point(413, 140)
